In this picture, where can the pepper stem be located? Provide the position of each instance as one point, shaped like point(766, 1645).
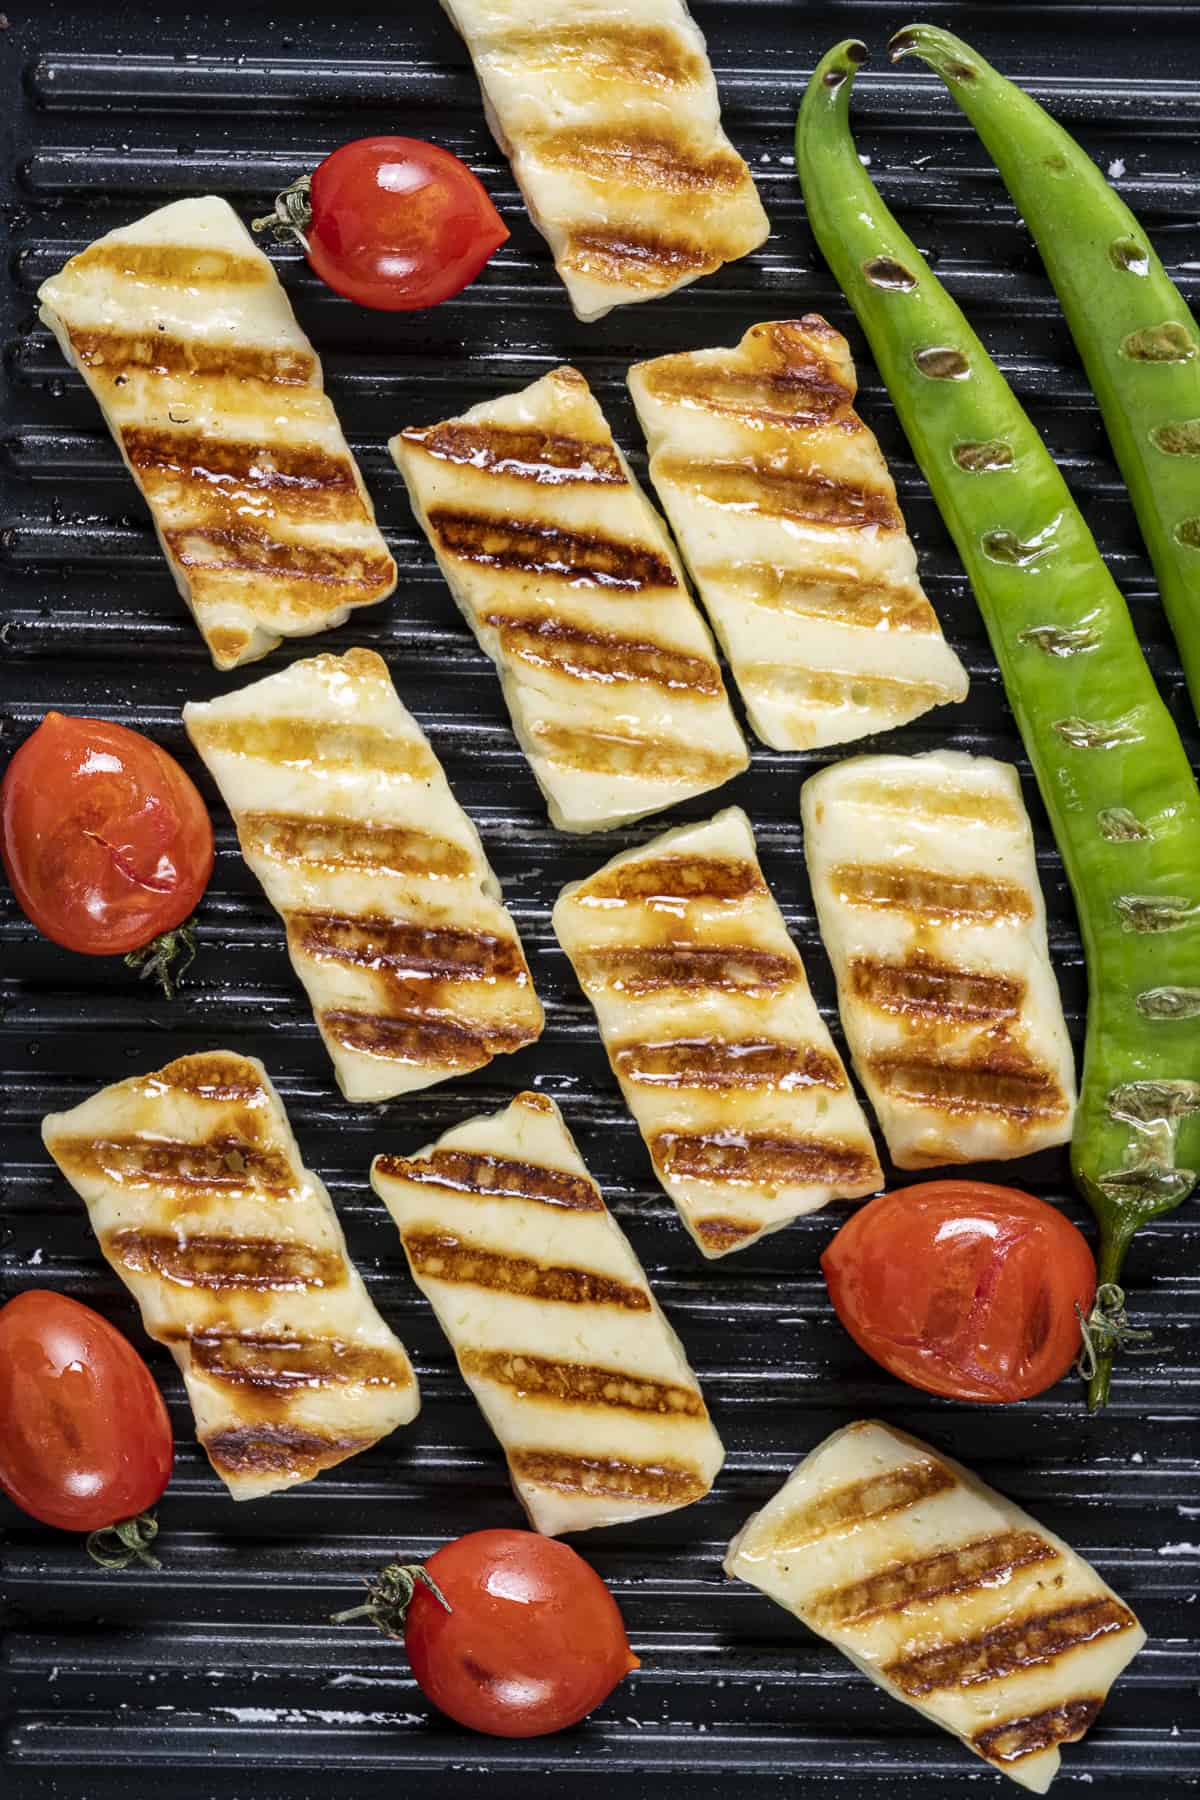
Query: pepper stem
point(1107, 1329)
point(165, 958)
point(389, 1595)
point(128, 1541)
point(292, 216)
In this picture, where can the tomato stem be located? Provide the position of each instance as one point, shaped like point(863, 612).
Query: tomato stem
point(389, 1597)
point(129, 1540)
point(292, 216)
point(157, 959)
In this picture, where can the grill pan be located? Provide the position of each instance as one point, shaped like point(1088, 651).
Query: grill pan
point(220, 1676)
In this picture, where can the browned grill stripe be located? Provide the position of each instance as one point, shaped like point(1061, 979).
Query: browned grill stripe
point(806, 495)
point(180, 265)
point(751, 1159)
point(978, 898)
point(925, 988)
point(988, 1084)
point(601, 656)
point(269, 1449)
point(788, 683)
point(304, 841)
point(425, 1039)
point(211, 1076)
point(494, 1178)
point(801, 396)
point(218, 1166)
point(298, 743)
point(639, 159)
point(225, 1262)
point(662, 1483)
point(405, 951)
point(815, 594)
point(1027, 1643)
point(636, 259)
point(968, 806)
point(654, 968)
point(669, 880)
point(536, 547)
point(442, 1257)
point(720, 1232)
point(298, 481)
point(641, 759)
point(279, 1365)
point(242, 551)
point(581, 1384)
point(109, 354)
point(728, 1063)
point(963, 1569)
point(873, 1498)
point(605, 50)
point(549, 457)
point(1017, 1738)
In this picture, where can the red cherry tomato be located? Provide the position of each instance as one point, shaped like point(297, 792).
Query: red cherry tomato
point(398, 223)
point(534, 1640)
point(962, 1288)
point(85, 1440)
point(106, 841)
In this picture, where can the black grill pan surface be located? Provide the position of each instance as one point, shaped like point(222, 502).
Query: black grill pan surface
point(219, 1679)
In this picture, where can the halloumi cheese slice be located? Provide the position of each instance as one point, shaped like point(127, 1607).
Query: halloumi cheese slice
point(786, 514)
point(180, 327)
point(713, 1034)
point(610, 117)
point(395, 921)
point(233, 1251)
point(949, 1596)
point(926, 886)
point(552, 1320)
point(567, 577)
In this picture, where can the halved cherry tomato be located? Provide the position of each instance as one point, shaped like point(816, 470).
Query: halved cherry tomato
point(85, 1440)
point(534, 1639)
point(962, 1288)
point(105, 840)
point(398, 224)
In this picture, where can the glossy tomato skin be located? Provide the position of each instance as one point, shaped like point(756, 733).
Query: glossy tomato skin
point(399, 224)
point(533, 1643)
point(106, 841)
point(85, 1440)
point(962, 1288)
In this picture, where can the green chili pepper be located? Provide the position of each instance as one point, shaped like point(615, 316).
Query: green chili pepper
point(1139, 343)
point(1116, 783)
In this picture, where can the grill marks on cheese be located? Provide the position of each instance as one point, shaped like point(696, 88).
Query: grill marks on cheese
point(786, 515)
point(927, 893)
point(552, 1321)
point(713, 1035)
point(233, 1252)
point(214, 396)
point(569, 581)
point(948, 1596)
point(394, 920)
point(613, 128)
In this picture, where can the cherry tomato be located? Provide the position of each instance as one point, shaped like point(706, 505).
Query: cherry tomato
point(106, 841)
point(398, 223)
point(85, 1440)
point(962, 1288)
point(534, 1640)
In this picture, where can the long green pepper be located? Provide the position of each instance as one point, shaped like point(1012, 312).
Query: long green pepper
point(1139, 343)
point(1116, 783)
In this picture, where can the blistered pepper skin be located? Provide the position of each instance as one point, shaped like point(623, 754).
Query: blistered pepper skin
point(1113, 774)
point(1139, 342)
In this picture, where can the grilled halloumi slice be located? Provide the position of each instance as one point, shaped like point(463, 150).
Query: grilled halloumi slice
point(552, 1320)
point(233, 1251)
point(713, 1034)
point(395, 922)
point(567, 577)
point(181, 329)
point(949, 1596)
point(787, 518)
point(610, 117)
point(927, 893)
